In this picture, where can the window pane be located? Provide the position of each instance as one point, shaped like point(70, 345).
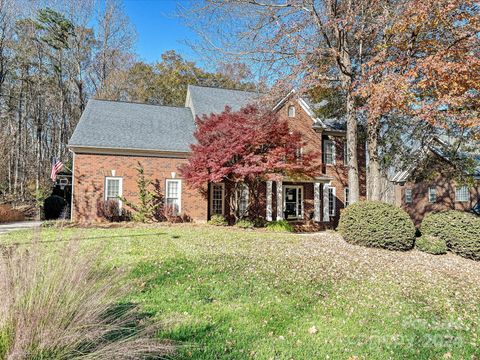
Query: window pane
point(329, 151)
point(173, 195)
point(347, 195)
point(461, 193)
point(243, 200)
point(408, 195)
point(331, 202)
point(217, 199)
point(432, 194)
point(113, 189)
point(291, 111)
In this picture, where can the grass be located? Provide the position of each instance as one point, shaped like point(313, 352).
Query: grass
point(233, 294)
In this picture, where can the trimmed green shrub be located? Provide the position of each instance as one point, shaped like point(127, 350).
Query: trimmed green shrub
point(218, 220)
point(280, 225)
point(377, 224)
point(431, 244)
point(245, 224)
point(460, 230)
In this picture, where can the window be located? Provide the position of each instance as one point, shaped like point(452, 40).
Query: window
point(174, 195)
point(242, 197)
point(346, 154)
point(347, 194)
point(298, 153)
point(291, 111)
point(408, 196)
point(216, 199)
point(113, 189)
point(331, 201)
point(432, 194)
point(461, 194)
point(328, 152)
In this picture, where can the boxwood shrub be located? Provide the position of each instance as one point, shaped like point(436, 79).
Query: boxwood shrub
point(431, 245)
point(460, 231)
point(377, 224)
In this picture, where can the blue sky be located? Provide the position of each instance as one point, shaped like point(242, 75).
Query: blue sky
point(158, 29)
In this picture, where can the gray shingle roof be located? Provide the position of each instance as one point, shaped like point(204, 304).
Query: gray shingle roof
point(207, 100)
point(123, 125)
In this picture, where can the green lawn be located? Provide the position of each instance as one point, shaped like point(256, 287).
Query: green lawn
point(223, 293)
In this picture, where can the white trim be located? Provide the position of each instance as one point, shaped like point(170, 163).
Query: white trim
point(128, 152)
point(179, 189)
point(269, 201)
point(311, 113)
point(430, 188)
point(296, 187)
point(120, 188)
point(316, 202)
point(211, 198)
point(285, 98)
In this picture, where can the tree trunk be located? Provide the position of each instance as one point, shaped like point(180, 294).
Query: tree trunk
point(352, 131)
point(374, 174)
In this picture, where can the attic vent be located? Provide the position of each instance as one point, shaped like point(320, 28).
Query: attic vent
point(291, 111)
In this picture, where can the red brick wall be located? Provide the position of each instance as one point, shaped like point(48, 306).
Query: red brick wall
point(302, 122)
point(420, 206)
point(89, 177)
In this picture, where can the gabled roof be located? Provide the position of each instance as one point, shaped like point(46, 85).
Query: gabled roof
point(433, 146)
point(124, 125)
point(329, 124)
point(207, 100)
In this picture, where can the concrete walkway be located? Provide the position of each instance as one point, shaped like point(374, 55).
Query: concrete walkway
point(19, 225)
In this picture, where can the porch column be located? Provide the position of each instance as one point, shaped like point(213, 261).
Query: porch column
point(269, 201)
point(326, 212)
point(279, 200)
point(316, 202)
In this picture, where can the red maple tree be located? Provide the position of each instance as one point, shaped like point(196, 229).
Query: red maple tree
point(249, 147)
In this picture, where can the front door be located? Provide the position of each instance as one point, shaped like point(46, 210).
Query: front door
point(293, 202)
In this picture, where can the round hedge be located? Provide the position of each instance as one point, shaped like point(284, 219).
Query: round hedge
point(377, 224)
point(460, 230)
point(431, 245)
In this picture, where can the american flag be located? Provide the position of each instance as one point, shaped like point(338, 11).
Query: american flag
point(57, 165)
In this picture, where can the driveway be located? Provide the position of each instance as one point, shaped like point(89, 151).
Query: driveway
point(19, 225)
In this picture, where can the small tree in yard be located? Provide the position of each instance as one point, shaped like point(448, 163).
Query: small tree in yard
point(149, 201)
point(247, 147)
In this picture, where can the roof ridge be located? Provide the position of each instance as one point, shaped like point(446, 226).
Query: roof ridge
point(139, 103)
point(221, 88)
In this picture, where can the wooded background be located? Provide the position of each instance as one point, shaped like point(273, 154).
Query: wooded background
point(54, 56)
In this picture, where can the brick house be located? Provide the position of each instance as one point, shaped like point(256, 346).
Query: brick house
point(112, 137)
point(427, 186)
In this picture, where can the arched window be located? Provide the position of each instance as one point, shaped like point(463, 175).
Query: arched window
point(291, 111)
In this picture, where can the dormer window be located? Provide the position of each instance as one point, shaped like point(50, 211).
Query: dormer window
point(291, 111)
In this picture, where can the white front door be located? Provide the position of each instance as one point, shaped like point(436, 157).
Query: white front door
point(293, 202)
